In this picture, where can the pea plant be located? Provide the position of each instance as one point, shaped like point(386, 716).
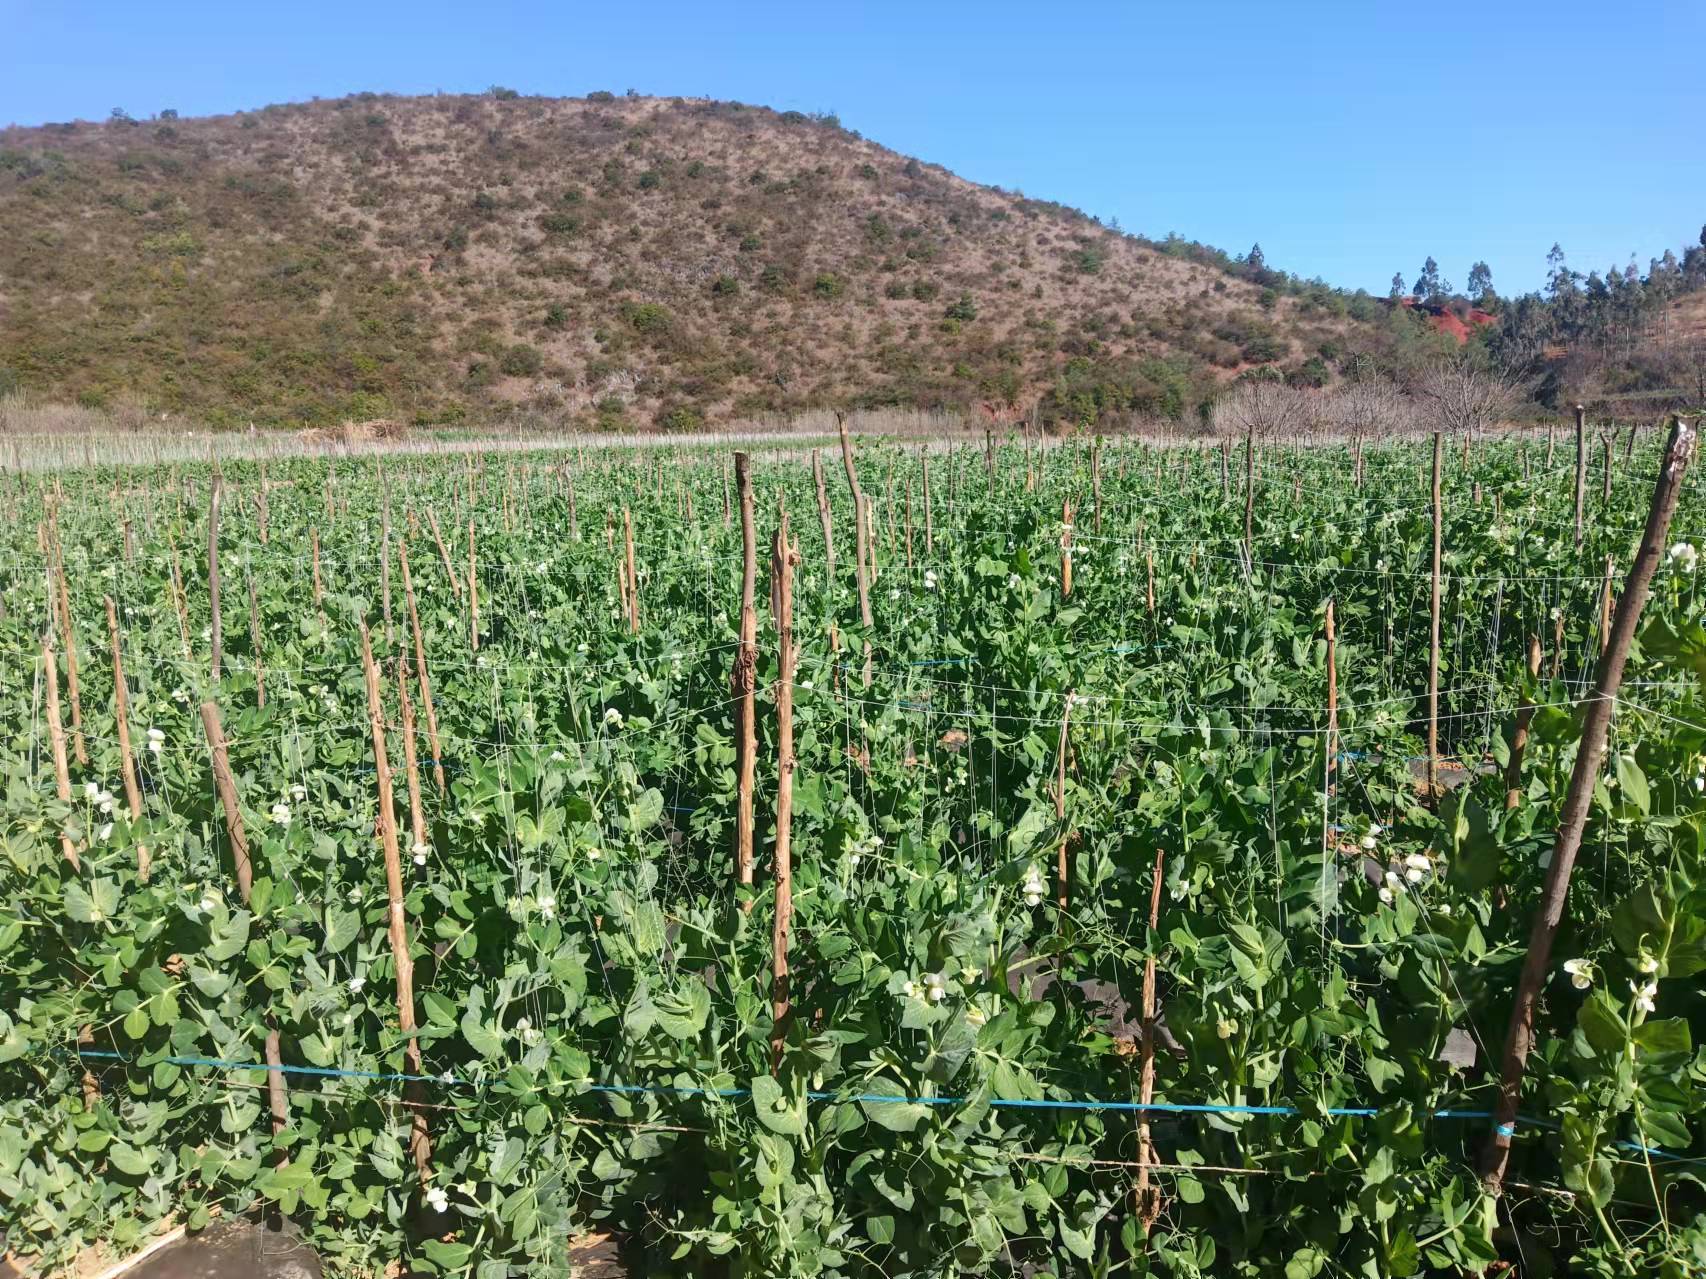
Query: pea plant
point(372, 857)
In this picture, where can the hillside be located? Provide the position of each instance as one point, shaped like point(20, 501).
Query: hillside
point(650, 260)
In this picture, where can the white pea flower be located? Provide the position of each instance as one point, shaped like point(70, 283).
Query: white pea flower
point(894, 594)
point(105, 833)
point(613, 717)
point(355, 894)
point(298, 792)
point(437, 1199)
point(1012, 581)
point(281, 814)
point(355, 984)
point(1580, 973)
point(970, 976)
point(447, 1078)
point(105, 800)
point(1225, 1027)
point(1644, 995)
point(935, 986)
point(1385, 895)
point(929, 579)
point(156, 740)
point(526, 1033)
point(910, 989)
point(556, 758)
point(547, 908)
point(975, 1016)
point(595, 854)
point(209, 902)
point(180, 695)
point(1684, 556)
point(1647, 964)
point(90, 790)
point(420, 852)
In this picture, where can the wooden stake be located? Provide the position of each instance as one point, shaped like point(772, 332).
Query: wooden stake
point(444, 554)
point(743, 680)
point(824, 518)
point(218, 624)
point(1605, 608)
point(783, 556)
point(56, 737)
point(633, 577)
point(261, 509)
point(1249, 494)
point(1096, 481)
point(1679, 451)
point(929, 515)
point(255, 640)
point(1581, 468)
point(1061, 869)
point(1519, 738)
point(862, 537)
point(121, 717)
point(1433, 635)
point(1148, 1200)
point(314, 548)
point(1066, 548)
point(1332, 691)
point(473, 593)
point(68, 631)
point(398, 929)
point(226, 786)
point(421, 667)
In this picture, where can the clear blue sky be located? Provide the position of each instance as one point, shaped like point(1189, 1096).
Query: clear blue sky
point(1350, 139)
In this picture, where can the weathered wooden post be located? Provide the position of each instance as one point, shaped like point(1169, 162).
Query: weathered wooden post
point(1679, 452)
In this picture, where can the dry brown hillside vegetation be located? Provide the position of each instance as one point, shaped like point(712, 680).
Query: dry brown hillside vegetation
point(624, 261)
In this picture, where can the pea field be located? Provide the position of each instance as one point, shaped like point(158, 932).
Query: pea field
point(874, 859)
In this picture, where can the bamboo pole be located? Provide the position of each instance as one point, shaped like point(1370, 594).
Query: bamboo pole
point(1519, 738)
point(121, 717)
point(421, 666)
point(56, 737)
point(1596, 723)
point(743, 679)
point(1148, 1200)
point(784, 555)
point(1332, 690)
point(314, 550)
point(1433, 633)
point(398, 928)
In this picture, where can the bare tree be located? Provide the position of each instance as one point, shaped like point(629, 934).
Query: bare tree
point(1372, 407)
point(1459, 398)
point(1263, 407)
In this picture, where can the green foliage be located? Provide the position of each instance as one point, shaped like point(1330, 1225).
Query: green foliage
point(573, 926)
